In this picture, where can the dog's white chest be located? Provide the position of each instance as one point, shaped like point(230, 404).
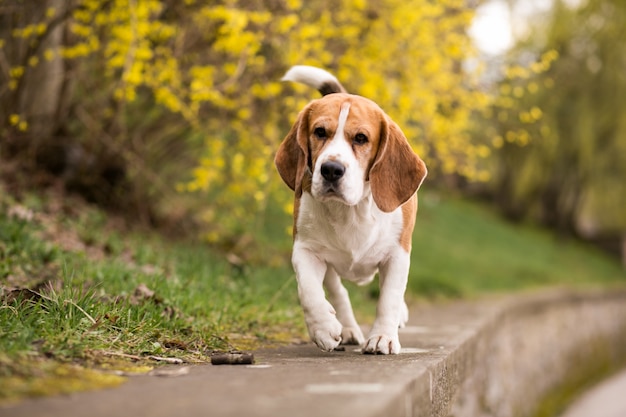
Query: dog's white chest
point(354, 240)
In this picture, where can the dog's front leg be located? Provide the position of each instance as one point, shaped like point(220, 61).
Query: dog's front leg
point(390, 311)
point(319, 314)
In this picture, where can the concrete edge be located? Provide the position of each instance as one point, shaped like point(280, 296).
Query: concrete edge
point(529, 349)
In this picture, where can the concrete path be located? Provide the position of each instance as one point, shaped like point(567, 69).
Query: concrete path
point(462, 358)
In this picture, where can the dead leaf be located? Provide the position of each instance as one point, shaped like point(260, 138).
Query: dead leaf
point(143, 293)
point(175, 344)
point(170, 312)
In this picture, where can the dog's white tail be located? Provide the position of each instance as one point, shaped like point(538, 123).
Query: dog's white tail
point(322, 80)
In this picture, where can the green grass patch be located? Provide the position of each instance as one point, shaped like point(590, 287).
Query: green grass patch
point(111, 296)
point(461, 248)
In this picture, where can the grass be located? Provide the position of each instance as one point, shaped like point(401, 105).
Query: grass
point(461, 248)
point(78, 297)
point(121, 297)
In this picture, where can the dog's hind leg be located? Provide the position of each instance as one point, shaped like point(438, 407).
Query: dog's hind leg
point(351, 333)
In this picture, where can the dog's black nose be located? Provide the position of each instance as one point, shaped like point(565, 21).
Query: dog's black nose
point(332, 170)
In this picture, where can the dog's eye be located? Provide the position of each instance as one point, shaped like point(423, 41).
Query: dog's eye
point(320, 132)
point(360, 139)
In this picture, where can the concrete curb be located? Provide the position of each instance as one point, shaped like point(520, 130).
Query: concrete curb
point(498, 356)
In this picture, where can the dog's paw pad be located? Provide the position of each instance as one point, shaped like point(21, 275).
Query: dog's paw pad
point(382, 344)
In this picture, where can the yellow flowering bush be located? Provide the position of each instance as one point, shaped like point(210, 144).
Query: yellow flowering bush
point(214, 67)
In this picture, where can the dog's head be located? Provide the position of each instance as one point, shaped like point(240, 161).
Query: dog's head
point(342, 146)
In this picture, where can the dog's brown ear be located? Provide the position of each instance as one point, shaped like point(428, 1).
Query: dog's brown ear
point(292, 158)
point(397, 172)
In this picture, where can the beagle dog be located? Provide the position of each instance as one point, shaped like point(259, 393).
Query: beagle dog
point(355, 179)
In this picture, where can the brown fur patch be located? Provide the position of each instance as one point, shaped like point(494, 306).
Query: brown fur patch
point(409, 211)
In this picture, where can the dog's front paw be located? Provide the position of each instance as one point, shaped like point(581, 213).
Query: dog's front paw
point(382, 344)
point(352, 336)
point(327, 335)
point(324, 328)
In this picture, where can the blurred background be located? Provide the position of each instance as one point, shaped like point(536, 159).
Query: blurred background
point(170, 112)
